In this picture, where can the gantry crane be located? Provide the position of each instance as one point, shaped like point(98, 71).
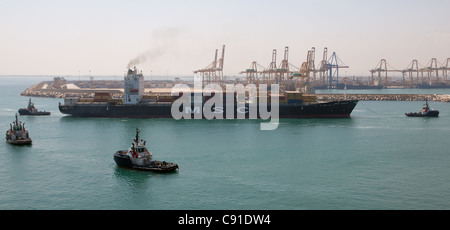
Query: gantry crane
point(213, 74)
point(282, 72)
point(302, 77)
point(412, 71)
point(268, 74)
point(334, 64)
point(432, 72)
point(382, 71)
point(251, 74)
point(445, 68)
point(322, 70)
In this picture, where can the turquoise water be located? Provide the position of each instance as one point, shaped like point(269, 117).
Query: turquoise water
point(378, 159)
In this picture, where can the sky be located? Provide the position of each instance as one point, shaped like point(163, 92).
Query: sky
point(174, 38)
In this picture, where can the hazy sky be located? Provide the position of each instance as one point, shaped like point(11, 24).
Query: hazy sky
point(177, 37)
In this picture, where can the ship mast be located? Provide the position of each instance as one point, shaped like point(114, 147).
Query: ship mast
point(137, 135)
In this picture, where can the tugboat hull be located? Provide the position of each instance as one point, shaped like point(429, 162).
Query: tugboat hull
point(123, 160)
point(20, 142)
point(433, 113)
point(424, 112)
point(17, 135)
point(31, 113)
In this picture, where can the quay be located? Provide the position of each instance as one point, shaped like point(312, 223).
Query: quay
point(386, 97)
point(50, 89)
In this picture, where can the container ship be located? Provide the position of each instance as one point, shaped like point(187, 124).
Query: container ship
point(136, 104)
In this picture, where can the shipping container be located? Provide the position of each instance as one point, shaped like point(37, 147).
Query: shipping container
point(149, 100)
point(293, 95)
point(164, 100)
point(165, 97)
point(102, 93)
point(100, 100)
point(294, 101)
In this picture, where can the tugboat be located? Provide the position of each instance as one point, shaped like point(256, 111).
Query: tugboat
point(31, 110)
point(17, 135)
point(424, 112)
point(138, 157)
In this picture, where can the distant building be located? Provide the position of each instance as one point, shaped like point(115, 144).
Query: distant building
point(58, 82)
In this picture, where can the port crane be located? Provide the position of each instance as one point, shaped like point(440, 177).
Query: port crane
point(412, 72)
point(445, 68)
point(322, 70)
point(290, 77)
point(328, 69)
point(213, 73)
point(282, 73)
point(269, 73)
point(334, 64)
point(382, 70)
point(303, 78)
point(432, 72)
point(251, 74)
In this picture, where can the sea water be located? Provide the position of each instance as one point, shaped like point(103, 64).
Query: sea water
point(377, 159)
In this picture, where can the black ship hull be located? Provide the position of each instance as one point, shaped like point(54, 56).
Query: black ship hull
point(335, 109)
point(31, 113)
point(433, 113)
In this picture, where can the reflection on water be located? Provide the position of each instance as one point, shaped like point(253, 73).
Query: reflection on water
point(133, 179)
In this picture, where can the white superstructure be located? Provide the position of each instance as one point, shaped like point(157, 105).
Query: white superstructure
point(133, 87)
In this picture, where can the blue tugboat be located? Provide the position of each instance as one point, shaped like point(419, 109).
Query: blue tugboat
point(31, 110)
point(138, 157)
point(424, 112)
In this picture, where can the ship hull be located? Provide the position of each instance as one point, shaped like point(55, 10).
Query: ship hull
point(31, 113)
point(433, 113)
point(125, 162)
point(20, 142)
point(335, 109)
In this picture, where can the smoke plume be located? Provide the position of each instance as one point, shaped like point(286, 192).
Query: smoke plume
point(150, 55)
point(163, 39)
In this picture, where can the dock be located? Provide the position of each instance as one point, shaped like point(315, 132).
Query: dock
point(38, 90)
point(386, 97)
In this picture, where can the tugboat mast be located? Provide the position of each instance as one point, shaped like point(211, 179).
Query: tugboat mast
point(137, 135)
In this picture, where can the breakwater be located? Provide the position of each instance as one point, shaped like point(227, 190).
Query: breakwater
point(62, 93)
point(385, 97)
point(38, 90)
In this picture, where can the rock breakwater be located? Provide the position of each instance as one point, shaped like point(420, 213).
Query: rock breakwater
point(386, 97)
point(38, 90)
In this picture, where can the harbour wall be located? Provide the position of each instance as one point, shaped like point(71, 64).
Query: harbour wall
point(385, 97)
point(321, 97)
point(37, 91)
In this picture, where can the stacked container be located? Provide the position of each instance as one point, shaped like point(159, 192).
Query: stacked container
point(294, 97)
point(102, 96)
point(165, 98)
point(309, 98)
